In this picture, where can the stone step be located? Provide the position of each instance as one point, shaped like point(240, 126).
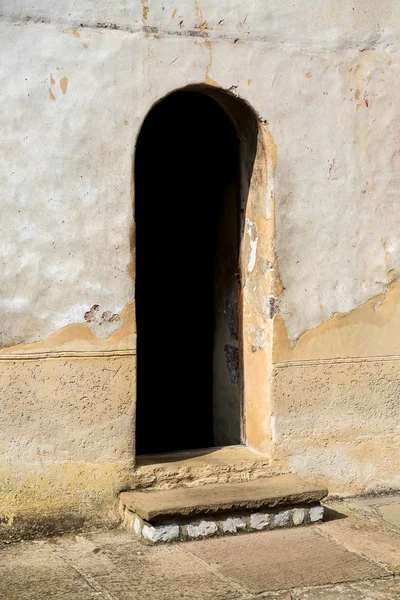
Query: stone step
point(189, 513)
point(196, 468)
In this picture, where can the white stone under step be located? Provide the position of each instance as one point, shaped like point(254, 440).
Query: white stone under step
point(218, 525)
point(193, 513)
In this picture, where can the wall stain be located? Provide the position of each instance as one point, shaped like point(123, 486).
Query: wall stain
point(145, 9)
point(207, 78)
point(51, 95)
point(64, 84)
point(198, 11)
point(232, 362)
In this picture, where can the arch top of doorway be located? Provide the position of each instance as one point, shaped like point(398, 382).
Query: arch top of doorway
point(243, 116)
point(258, 149)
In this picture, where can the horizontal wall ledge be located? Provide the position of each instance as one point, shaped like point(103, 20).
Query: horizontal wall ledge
point(68, 354)
point(331, 361)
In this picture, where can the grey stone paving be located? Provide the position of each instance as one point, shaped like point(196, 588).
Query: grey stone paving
point(355, 556)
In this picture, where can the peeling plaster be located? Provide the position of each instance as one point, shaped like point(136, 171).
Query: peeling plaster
point(368, 330)
point(80, 337)
point(253, 235)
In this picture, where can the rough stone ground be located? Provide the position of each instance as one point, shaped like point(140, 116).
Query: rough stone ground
point(353, 556)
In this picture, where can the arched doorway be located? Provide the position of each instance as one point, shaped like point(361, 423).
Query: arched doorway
point(192, 178)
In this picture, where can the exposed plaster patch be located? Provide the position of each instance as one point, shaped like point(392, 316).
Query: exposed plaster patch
point(107, 316)
point(102, 325)
point(265, 265)
point(256, 338)
point(253, 235)
point(91, 314)
point(110, 317)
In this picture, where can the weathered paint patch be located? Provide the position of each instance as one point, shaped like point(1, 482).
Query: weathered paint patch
point(80, 337)
point(64, 84)
point(369, 330)
point(67, 451)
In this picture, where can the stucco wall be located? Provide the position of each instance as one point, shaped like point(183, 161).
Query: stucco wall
point(77, 80)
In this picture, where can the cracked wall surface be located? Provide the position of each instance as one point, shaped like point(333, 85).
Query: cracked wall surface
point(77, 81)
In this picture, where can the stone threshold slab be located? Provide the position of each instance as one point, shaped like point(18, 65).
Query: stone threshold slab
point(206, 466)
point(209, 499)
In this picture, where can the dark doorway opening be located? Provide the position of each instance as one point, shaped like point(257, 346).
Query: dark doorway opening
point(187, 213)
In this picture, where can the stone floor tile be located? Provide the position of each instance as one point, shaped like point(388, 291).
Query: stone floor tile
point(366, 538)
point(127, 570)
point(283, 559)
point(31, 571)
point(391, 513)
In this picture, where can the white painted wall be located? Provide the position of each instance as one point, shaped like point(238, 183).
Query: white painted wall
point(309, 68)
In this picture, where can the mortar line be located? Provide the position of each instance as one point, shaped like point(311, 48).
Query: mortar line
point(324, 586)
point(333, 361)
point(67, 354)
point(91, 581)
point(325, 534)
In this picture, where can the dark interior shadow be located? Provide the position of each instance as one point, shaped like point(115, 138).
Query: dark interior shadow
point(196, 148)
point(333, 515)
point(165, 458)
